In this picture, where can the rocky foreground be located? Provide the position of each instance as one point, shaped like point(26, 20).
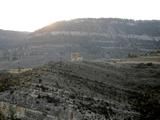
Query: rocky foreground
point(88, 90)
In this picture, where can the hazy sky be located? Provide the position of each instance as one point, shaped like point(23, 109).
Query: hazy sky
point(29, 15)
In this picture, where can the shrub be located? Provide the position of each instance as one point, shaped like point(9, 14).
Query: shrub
point(148, 105)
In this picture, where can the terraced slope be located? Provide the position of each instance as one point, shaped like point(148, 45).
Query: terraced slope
point(102, 38)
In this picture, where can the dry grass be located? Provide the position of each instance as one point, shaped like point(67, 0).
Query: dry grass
point(16, 71)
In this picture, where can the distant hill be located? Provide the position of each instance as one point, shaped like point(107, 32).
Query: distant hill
point(97, 38)
point(106, 25)
point(102, 38)
point(11, 43)
point(10, 39)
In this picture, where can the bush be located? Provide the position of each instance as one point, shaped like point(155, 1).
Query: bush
point(2, 117)
point(5, 82)
point(148, 105)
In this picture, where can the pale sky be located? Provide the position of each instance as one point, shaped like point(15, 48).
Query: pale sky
point(29, 15)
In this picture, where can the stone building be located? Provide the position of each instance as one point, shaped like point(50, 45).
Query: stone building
point(76, 56)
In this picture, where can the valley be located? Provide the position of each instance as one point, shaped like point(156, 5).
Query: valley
point(81, 69)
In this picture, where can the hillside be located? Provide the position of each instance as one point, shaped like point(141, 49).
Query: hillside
point(88, 90)
point(97, 38)
point(106, 25)
point(10, 39)
point(12, 44)
point(103, 38)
